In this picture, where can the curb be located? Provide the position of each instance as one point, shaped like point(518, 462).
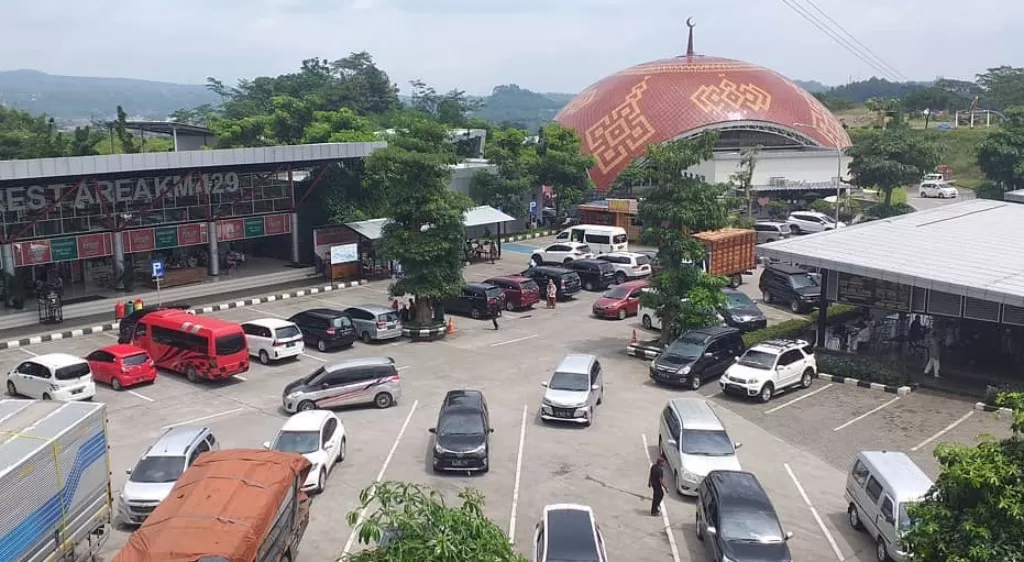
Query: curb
point(897, 390)
point(642, 351)
point(112, 326)
point(528, 236)
point(987, 408)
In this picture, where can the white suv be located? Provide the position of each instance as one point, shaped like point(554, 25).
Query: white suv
point(628, 265)
point(769, 367)
point(272, 339)
point(800, 222)
point(937, 189)
point(562, 252)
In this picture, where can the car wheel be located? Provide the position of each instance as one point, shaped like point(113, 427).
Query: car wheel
point(695, 382)
point(321, 481)
point(589, 285)
point(854, 517)
point(620, 278)
point(621, 314)
point(769, 241)
point(115, 383)
point(696, 525)
point(794, 229)
point(646, 322)
point(805, 380)
point(922, 195)
point(767, 391)
point(475, 313)
point(600, 397)
point(509, 306)
point(881, 553)
point(567, 260)
point(795, 307)
point(736, 280)
point(766, 297)
point(537, 259)
point(365, 336)
point(46, 397)
point(191, 374)
point(264, 357)
point(11, 389)
point(306, 405)
point(321, 345)
point(342, 450)
point(383, 400)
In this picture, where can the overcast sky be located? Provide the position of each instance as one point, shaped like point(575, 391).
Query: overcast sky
point(543, 45)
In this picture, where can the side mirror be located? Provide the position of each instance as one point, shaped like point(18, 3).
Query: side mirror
point(711, 531)
point(128, 471)
point(671, 441)
point(737, 445)
point(544, 384)
point(325, 385)
point(789, 535)
point(595, 387)
point(890, 519)
point(432, 430)
point(266, 444)
point(490, 430)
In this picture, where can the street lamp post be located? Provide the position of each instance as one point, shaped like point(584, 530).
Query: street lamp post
point(839, 167)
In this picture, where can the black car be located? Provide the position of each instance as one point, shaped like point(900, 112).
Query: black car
point(567, 282)
point(596, 275)
point(325, 328)
point(462, 437)
point(477, 300)
point(791, 285)
point(736, 520)
point(697, 356)
point(126, 328)
point(741, 312)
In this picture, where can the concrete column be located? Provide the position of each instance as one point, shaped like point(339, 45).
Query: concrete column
point(118, 248)
point(823, 309)
point(7, 255)
point(295, 237)
point(214, 265)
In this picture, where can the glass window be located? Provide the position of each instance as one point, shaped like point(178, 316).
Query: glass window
point(584, 248)
point(388, 317)
point(758, 359)
point(685, 349)
point(706, 443)
point(329, 428)
point(790, 357)
point(574, 382)
point(802, 281)
point(301, 442)
point(72, 372)
point(598, 239)
point(620, 239)
point(874, 489)
point(860, 473)
point(341, 322)
point(461, 424)
point(751, 525)
point(158, 470)
point(888, 509)
point(137, 359)
point(286, 332)
point(904, 518)
point(643, 260)
point(737, 300)
point(229, 345)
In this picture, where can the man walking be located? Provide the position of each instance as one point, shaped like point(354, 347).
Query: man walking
point(552, 293)
point(495, 312)
point(656, 482)
point(933, 346)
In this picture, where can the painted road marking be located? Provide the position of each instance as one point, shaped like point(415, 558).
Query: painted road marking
point(241, 378)
point(664, 511)
point(136, 394)
point(865, 414)
point(944, 431)
point(261, 311)
point(814, 512)
point(304, 354)
point(204, 418)
point(799, 398)
point(530, 337)
point(515, 487)
point(32, 353)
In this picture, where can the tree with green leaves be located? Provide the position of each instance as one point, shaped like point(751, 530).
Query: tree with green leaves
point(975, 511)
point(514, 155)
point(744, 175)
point(1001, 156)
point(891, 158)
point(1003, 87)
point(412, 523)
point(292, 121)
point(451, 108)
point(562, 165)
point(678, 206)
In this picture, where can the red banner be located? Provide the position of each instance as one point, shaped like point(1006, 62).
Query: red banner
point(32, 253)
point(94, 245)
point(277, 224)
point(233, 229)
point(139, 241)
point(192, 234)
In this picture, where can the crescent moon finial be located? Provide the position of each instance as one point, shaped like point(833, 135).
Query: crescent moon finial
point(689, 23)
point(689, 40)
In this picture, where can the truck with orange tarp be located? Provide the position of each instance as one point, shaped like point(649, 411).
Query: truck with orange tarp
point(731, 253)
point(239, 505)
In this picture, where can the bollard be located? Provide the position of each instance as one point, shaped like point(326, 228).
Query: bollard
point(119, 310)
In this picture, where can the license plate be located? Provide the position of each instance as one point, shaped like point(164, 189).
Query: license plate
point(460, 462)
point(292, 344)
point(563, 414)
point(76, 391)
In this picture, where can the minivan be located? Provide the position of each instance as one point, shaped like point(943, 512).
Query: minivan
point(153, 477)
point(596, 275)
point(694, 442)
point(568, 532)
point(325, 328)
point(880, 487)
point(574, 391)
point(367, 380)
point(697, 356)
point(273, 339)
point(736, 520)
point(374, 322)
point(602, 239)
point(520, 292)
point(788, 284)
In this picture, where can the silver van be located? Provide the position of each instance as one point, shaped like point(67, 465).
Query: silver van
point(374, 322)
point(367, 380)
point(574, 391)
point(879, 489)
point(154, 475)
point(694, 442)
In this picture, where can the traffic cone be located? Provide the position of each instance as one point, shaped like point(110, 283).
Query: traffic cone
point(451, 325)
point(632, 339)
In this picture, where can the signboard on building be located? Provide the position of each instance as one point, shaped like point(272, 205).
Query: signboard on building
point(94, 245)
point(622, 206)
point(345, 253)
point(873, 293)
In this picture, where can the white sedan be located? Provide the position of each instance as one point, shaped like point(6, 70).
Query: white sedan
point(562, 252)
point(317, 435)
point(937, 189)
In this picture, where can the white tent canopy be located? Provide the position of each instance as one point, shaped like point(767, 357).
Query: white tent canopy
point(477, 216)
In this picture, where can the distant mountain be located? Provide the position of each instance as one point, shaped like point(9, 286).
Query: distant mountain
point(73, 98)
point(812, 86)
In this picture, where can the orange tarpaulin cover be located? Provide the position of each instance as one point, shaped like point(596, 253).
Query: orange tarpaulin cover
point(223, 505)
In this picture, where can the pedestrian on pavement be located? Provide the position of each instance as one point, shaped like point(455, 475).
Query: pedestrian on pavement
point(403, 314)
point(552, 293)
point(933, 346)
point(495, 307)
point(493, 252)
point(656, 482)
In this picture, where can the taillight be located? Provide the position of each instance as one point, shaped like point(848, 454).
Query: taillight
point(382, 324)
point(330, 331)
point(275, 343)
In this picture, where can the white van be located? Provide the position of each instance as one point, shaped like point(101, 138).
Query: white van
point(879, 488)
point(601, 239)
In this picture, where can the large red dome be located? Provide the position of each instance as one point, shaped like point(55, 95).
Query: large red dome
point(666, 99)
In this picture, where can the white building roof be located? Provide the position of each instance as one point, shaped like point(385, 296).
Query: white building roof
point(970, 249)
point(477, 216)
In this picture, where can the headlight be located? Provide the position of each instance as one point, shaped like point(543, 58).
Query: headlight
point(479, 449)
point(689, 476)
point(547, 403)
point(685, 370)
point(438, 449)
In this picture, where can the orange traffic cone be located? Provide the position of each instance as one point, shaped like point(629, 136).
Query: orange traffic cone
point(633, 338)
point(451, 325)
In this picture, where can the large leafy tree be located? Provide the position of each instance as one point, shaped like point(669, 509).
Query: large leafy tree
point(743, 177)
point(23, 135)
point(417, 524)
point(562, 165)
point(1003, 86)
point(292, 121)
point(678, 206)
point(1001, 155)
point(891, 158)
point(975, 511)
point(515, 156)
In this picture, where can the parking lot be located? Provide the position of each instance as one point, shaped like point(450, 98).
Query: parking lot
point(799, 445)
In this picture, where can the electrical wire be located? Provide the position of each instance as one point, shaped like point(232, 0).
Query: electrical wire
point(864, 47)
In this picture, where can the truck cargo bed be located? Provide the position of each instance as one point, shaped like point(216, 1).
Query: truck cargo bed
point(731, 251)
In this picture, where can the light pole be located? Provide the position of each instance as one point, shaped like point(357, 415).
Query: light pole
point(839, 167)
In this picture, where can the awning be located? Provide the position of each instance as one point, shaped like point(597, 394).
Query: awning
point(486, 214)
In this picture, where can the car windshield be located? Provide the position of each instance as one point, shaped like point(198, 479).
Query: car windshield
point(686, 349)
point(618, 292)
point(738, 300)
point(803, 280)
point(313, 375)
point(758, 359)
point(904, 519)
point(286, 332)
point(158, 470)
point(574, 382)
point(750, 525)
point(228, 345)
point(495, 292)
point(301, 442)
point(72, 372)
point(137, 359)
point(461, 424)
point(707, 443)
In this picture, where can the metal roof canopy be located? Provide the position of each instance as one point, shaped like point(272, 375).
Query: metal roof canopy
point(371, 229)
point(39, 169)
point(166, 128)
point(969, 249)
point(477, 216)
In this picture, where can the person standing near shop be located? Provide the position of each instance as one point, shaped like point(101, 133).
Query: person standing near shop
point(552, 293)
point(656, 482)
point(933, 345)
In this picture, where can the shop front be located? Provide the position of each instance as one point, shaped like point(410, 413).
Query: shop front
point(613, 212)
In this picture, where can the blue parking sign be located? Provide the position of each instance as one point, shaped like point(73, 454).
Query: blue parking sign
point(157, 268)
point(533, 207)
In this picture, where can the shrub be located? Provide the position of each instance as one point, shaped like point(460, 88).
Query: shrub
point(861, 368)
point(993, 392)
point(883, 211)
point(822, 206)
point(838, 314)
point(789, 329)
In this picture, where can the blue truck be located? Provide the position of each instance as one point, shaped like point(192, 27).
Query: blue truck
point(55, 496)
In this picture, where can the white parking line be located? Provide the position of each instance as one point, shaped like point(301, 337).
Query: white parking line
point(519, 472)
point(943, 432)
point(204, 418)
point(712, 395)
point(313, 357)
point(110, 335)
point(261, 311)
point(380, 475)
point(403, 367)
point(865, 414)
point(814, 512)
point(32, 353)
point(799, 398)
point(664, 511)
point(137, 395)
point(530, 337)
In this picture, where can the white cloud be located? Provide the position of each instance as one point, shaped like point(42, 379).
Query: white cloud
point(545, 45)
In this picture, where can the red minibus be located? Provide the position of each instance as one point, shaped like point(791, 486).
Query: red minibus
point(201, 347)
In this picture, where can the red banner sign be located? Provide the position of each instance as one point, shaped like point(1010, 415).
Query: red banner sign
point(277, 224)
point(32, 253)
point(192, 234)
point(139, 241)
point(94, 245)
point(233, 229)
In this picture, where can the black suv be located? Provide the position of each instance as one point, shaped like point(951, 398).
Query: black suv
point(736, 519)
point(126, 329)
point(325, 328)
point(477, 300)
point(596, 275)
point(462, 437)
point(568, 282)
point(789, 284)
point(741, 312)
point(697, 355)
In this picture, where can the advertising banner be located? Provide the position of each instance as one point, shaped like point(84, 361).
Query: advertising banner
point(228, 230)
point(166, 237)
point(139, 241)
point(277, 224)
point(255, 227)
point(192, 234)
point(94, 245)
point(64, 249)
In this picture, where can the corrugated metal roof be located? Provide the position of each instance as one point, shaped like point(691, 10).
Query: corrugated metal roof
point(486, 214)
point(371, 229)
point(27, 425)
point(970, 248)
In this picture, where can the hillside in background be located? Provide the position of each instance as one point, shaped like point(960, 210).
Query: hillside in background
point(512, 104)
point(75, 98)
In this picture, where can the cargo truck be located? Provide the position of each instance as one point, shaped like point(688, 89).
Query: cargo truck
point(54, 480)
point(731, 253)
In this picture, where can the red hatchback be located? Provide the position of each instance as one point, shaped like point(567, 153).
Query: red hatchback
point(520, 292)
point(620, 301)
point(121, 366)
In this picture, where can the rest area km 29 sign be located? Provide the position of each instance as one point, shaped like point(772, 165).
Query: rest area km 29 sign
point(110, 192)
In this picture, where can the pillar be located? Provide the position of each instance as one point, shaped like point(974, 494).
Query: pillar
point(213, 267)
point(7, 256)
point(823, 309)
point(117, 245)
point(174, 135)
point(295, 236)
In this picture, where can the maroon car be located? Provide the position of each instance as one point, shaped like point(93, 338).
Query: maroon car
point(520, 292)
